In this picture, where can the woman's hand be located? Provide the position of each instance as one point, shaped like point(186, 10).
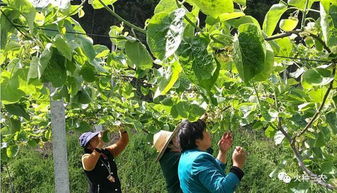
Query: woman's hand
point(225, 143)
point(100, 141)
point(239, 157)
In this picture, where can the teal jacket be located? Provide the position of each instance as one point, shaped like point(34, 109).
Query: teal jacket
point(200, 172)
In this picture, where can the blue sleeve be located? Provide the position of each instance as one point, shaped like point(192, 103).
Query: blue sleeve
point(211, 177)
point(222, 165)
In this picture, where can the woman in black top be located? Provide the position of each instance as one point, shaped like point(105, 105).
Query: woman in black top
point(98, 162)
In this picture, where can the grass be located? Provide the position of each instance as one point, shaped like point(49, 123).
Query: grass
point(32, 171)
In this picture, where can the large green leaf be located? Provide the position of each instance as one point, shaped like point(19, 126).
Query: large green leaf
point(63, 47)
point(331, 119)
point(175, 32)
point(6, 26)
point(329, 26)
point(38, 65)
point(267, 68)
point(26, 9)
point(185, 110)
point(14, 125)
point(164, 33)
point(272, 17)
point(199, 66)
point(96, 4)
point(242, 20)
point(55, 71)
point(214, 8)
point(167, 84)
point(228, 16)
point(9, 88)
point(288, 24)
point(165, 6)
point(17, 109)
point(138, 54)
point(285, 46)
point(84, 96)
point(250, 56)
point(12, 150)
point(88, 72)
point(316, 77)
point(86, 45)
point(301, 3)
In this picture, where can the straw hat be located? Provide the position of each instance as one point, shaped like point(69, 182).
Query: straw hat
point(162, 139)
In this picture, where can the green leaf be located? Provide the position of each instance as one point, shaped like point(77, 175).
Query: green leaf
point(34, 68)
point(6, 26)
point(320, 140)
point(272, 17)
point(14, 125)
point(165, 6)
point(228, 16)
point(63, 47)
point(12, 150)
point(101, 51)
point(9, 89)
point(199, 66)
point(84, 95)
point(96, 4)
point(164, 33)
point(175, 32)
point(74, 84)
point(88, 72)
point(288, 24)
point(105, 136)
point(329, 29)
point(114, 32)
point(316, 77)
point(38, 65)
point(138, 54)
point(331, 119)
point(26, 9)
point(285, 46)
point(267, 68)
point(249, 55)
point(214, 8)
point(317, 94)
point(55, 72)
point(17, 109)
point(168, 84)
point(301, 3)
point(186, 110)
point(242, 20)
point(84, 126)
point(270, 132)
point(86, 45)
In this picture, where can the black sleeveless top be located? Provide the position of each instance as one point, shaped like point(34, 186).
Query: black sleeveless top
point(98, 177)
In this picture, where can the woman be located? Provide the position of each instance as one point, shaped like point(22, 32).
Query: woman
point(98, 162)
point(167, 145)
point(200, 172)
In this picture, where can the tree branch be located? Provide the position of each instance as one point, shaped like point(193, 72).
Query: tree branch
point(313, 177)
point(286, 34)
point(319, 109)
point(122, 19)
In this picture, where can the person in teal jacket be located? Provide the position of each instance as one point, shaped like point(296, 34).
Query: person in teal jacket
point(199, 171)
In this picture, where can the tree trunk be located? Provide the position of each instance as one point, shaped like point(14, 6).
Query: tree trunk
point(59, 145)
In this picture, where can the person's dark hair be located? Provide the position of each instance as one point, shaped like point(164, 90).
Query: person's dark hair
point(189, 132)
point(87, 150)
